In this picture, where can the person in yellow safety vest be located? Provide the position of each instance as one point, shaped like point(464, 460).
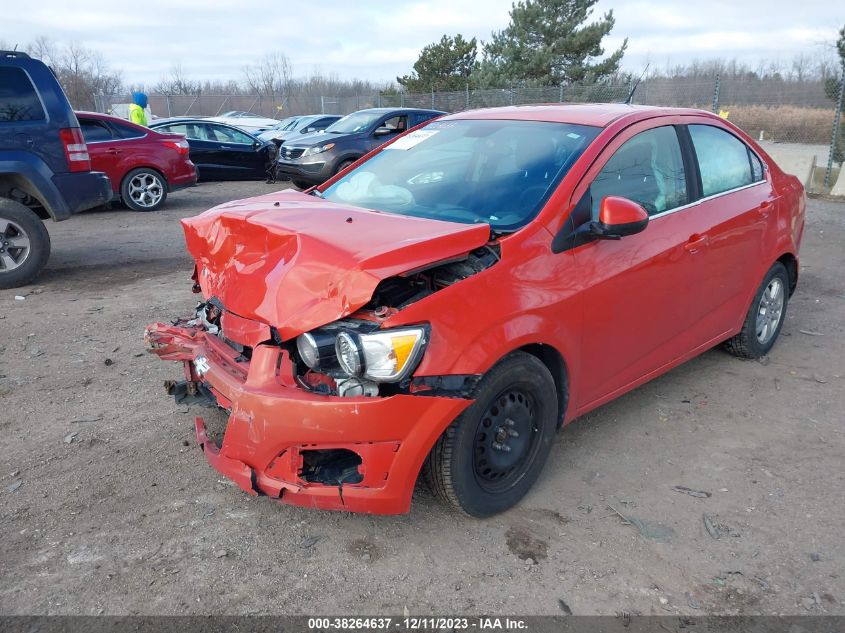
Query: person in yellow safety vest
point(136, 108)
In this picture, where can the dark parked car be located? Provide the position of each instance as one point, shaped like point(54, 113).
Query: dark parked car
point(143, 165)
point(45, 170)
point(295, 126)
point(313, 159)
point(222, 152)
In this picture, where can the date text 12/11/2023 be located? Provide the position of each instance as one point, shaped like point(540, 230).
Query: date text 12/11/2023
point(409, 623)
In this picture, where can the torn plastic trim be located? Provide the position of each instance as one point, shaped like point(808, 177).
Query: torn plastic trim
point(448, 386)
point(191, 393)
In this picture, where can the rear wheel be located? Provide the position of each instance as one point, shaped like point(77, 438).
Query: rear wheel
point(143, 189)
point(490, 456)
point(765, 317)
point(24, 244)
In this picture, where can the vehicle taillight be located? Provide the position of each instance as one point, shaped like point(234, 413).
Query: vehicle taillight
point(180, 146)
point(76, 151)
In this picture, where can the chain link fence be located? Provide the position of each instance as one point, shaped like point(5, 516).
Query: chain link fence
point(796, 115)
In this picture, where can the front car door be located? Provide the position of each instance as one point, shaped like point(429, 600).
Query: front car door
point(636, 318)
point(238, 153)
point(395, 123)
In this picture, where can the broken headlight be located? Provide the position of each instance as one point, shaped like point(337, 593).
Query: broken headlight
point(380, 356)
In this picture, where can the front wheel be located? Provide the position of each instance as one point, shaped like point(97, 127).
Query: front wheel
point(344, 165)
point(143, 189)
point(490, 456)
point(765, 317)
point(24, 244)
point(301, 184)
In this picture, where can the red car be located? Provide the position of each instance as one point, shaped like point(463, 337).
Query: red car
point(449, 301)
point(143, 165)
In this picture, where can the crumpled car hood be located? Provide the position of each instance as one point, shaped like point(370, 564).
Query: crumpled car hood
point(295, 262)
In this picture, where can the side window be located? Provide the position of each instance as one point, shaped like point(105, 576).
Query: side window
point(94, 130)
point(124, 131)
point(647, 169)
point(322, 124)
point(756, 166)
point(396, 124)
point(724, 160)
point(18, 99)
point(229, 135)
point(422, 117)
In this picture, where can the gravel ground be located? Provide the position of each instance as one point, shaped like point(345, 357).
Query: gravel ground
point(107, 505)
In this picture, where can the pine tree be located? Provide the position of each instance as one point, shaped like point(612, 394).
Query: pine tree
point(549, 42)
point(443, 66)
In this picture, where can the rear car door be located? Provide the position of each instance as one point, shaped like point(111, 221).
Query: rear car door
point(736, 200)
point(634, 290)
point(104, 152)
point(204, 153)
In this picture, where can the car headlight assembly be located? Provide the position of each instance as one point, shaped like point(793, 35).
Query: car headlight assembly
point(379, 356)
point(319, 149)
point(317, 350)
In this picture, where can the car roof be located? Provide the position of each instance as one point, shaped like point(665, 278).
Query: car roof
point(107, 117)
point(595, 114)
point(177, 120)
point(386, 110)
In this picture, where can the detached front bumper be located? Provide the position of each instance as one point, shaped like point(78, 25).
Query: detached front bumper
point(274, 425)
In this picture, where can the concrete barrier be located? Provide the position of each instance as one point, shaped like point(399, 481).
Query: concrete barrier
point(799, 164)
point(839, 185)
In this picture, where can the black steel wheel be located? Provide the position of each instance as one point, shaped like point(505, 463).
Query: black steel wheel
point(492, 454)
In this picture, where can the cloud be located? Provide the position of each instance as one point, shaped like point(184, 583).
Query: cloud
point(380, 40)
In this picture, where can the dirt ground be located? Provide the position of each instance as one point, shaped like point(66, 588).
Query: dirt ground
point(108, 506)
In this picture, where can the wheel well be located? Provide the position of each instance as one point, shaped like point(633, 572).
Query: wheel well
point(151, 168)
point(790, 262)
point(20, 189)
point(554, 362)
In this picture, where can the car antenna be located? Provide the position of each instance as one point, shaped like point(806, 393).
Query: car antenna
point(636, 83)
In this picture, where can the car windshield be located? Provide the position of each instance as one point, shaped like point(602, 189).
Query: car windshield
point(352, 123)
point(471, 171)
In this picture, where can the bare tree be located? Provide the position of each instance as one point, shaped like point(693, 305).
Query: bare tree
point(177, 83)
point(270, 76)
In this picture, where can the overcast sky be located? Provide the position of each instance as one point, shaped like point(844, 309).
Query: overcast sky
point(378, 40)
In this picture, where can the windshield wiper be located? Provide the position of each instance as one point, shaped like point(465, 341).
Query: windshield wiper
point(316, 192)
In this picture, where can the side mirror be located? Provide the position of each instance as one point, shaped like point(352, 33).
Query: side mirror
point(382, 131)
point(619, 217)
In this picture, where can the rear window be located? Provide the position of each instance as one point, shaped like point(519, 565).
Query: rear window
point(18, 99)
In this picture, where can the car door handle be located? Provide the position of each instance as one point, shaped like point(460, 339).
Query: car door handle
point(764, 208)
point(114, 150)
point(696, 242)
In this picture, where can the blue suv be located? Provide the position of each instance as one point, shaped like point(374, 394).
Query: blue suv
point(45, 170)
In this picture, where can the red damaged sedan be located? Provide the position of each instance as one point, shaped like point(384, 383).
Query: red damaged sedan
point(142, 164)
point(447, 303)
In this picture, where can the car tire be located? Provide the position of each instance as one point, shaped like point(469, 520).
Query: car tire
point(765, 317)
point(301, 184)
point(492, 454)
point(344, 164)
point(143, 189)
point(24, 244)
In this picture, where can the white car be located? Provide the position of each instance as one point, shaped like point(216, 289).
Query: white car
point(246, 121)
